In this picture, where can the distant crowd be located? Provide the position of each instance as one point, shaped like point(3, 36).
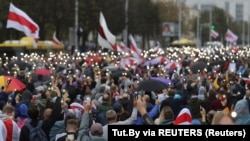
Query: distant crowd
point(74, 97)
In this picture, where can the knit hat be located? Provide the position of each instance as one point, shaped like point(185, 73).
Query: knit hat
point(24, 110)
point(184, 117)
point(96, 129)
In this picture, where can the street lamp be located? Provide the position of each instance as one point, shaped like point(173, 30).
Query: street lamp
point(201, 28)
point(248, 31)
point(180, 18)
point(76, 25)
point(198, 28)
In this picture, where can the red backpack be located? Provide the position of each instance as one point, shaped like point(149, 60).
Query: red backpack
point(21, 122)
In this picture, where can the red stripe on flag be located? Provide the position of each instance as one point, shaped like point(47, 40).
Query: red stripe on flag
point(185, 117)
point(101, 32)
point(23, 21)
point(114, 47)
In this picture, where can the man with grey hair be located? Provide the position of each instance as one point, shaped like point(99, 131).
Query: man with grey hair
point(111, 118)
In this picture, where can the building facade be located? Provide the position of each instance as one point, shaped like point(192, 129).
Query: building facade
point(238, 9)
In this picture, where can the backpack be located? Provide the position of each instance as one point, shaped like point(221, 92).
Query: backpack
point(37, 133)
point(21, 122)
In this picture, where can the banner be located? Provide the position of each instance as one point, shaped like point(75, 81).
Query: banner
point(169, 29)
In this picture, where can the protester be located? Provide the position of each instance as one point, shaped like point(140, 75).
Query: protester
point(9, 128)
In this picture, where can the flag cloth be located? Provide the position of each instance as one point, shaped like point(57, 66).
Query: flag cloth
point(55, 40)
point(123, 48)
point(213, 33)
point(135, 51)
point(184, 117)
point(105, 38)
point(231, 37)
point(20, 21)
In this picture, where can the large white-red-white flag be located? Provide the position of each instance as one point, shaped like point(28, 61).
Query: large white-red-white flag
point(213, 33)
point(55, 40)
point(231, 37)
point(105, 38)
point(20, 21)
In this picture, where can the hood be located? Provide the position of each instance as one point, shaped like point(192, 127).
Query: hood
point(3, 116)
point(97, 138)
point(167, 122)
point(201, 93)
point(241, 108)
point(201, 90)
point(26, 95)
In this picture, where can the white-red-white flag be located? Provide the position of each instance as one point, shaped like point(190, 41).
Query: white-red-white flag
point(213, 33)
point(20, 21)
point(231, 37)
point(55, 40)
point(123, 48)
point(105, 38)
point(128, 62)
point(135, 51)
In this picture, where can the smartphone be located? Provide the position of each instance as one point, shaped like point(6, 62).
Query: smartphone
point(62, 100)
point(9, 99)
point(201, 108)
point(71, 137)
point(141, 93)
point(223, 98)
point(135, 94)
point(88, 99)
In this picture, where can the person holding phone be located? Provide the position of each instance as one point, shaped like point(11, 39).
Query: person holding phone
point(96, 130)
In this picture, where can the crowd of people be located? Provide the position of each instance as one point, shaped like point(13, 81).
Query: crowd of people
point(83, 93)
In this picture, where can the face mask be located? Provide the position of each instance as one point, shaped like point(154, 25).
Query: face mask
point(161, 97)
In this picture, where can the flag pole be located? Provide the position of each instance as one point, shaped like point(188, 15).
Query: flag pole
point(180, 18)
point(198, 29)
point(243, 32)
point(126, 23)
point(248, 31)
point(210, 21)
